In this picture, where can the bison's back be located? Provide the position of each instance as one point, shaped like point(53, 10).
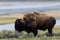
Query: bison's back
point(42, 18)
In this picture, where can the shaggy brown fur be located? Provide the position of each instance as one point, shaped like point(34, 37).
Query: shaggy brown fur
point(35, 21)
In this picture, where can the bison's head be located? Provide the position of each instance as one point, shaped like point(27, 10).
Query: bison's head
point(19, 25)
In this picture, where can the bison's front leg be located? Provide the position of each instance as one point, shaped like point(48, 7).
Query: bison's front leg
point(49, 31)
point(35, 32)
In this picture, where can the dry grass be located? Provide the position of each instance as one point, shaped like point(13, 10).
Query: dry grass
point(10, 18)
point(5, 19)
point(53, 13)
point(20, 15)
point(12, 35)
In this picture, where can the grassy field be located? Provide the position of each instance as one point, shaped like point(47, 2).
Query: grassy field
point(34, 38)
point(7, 19)
point(42, 38)
point(10, 18)
point(56, 31)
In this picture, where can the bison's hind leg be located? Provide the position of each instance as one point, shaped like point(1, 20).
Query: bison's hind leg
point(50, 31)
point(51, 24)
point(50, 28)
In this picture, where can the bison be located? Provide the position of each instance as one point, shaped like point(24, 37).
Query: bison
point(35, 21)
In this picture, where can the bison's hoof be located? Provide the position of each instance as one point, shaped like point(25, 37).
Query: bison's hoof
point(48, 34)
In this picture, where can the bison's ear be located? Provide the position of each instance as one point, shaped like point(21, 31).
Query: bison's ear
point(26, 19)
point(18, 21)
point(21, 21)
